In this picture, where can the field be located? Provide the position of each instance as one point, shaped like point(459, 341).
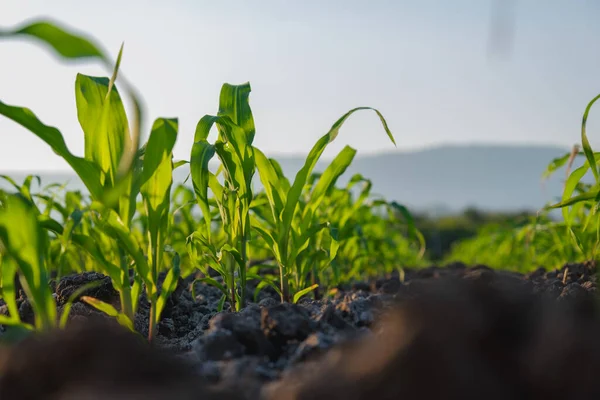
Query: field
point(302, 288)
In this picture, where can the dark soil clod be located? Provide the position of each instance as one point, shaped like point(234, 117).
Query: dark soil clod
point(69, 284)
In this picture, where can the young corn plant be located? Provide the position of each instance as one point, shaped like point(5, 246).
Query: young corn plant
point(25, 248)
point(183, 223)
point(114, 171)
point(234, 149)
point(157, 176)
point(109, 147)
point(102, 118)
point(24, 255)
point(372, 242)
point(580, 201)
point(294, 225)
point(63, 254)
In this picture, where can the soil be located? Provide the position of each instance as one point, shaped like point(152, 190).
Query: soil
point(443, 332)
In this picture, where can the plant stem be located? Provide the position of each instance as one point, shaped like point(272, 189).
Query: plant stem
point(285, 288)
point(232, 264)
point(243, 271)
point(126, 306)
point(313, 280)
point(152, 321)
point(233, 298)
point(125, 292)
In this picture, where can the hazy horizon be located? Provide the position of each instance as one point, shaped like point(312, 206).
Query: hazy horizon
point(359, 154)
point(507, 178)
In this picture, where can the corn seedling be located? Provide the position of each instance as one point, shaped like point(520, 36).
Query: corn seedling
point(113, 169)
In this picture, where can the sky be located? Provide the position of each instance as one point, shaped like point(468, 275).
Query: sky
point(432, 67)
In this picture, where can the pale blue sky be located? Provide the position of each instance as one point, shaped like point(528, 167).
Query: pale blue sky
point(424, 63)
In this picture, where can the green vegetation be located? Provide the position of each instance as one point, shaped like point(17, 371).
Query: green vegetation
point(541, 240)
point(443, 233)
point(538, 242)
point(139, 230)
point(301, 237)
point(522, 241)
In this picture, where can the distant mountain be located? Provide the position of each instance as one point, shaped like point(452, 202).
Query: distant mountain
point(455, 177)
point(445, 178)
point(450, 178)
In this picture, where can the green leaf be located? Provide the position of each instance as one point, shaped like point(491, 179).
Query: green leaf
point(11, 181)
point(335, 242)
point(26, 243)
point(557, 163)
point(25, 188)
point(412, 229)
point(169, 285)
point(102, 117)
point(110, 311)
point(577, 199)
point(333, 132)
point(235, 253)
point(283, 181)
point(8, 321)
point(136, 290)
point(587, 149)
point(113, 225)
point(213, 282)
point(67, 44)
point(264, 281)
point(301, 242)
point(8, 270)
point(233, 103)
point(577, 240)
point(303, 292)
point(204, 126)
point(86, 170)
point(159, 149)
point(330, 176)
point(64, 318)
point(270, 240)
point(295, 191)
point(234, 147)
point(50, 224)
point(221, 303)
point(570, 186)
point(271, 182)
point(157, 178)
point(88, 244)
point(179, 163)
point(202, 152)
